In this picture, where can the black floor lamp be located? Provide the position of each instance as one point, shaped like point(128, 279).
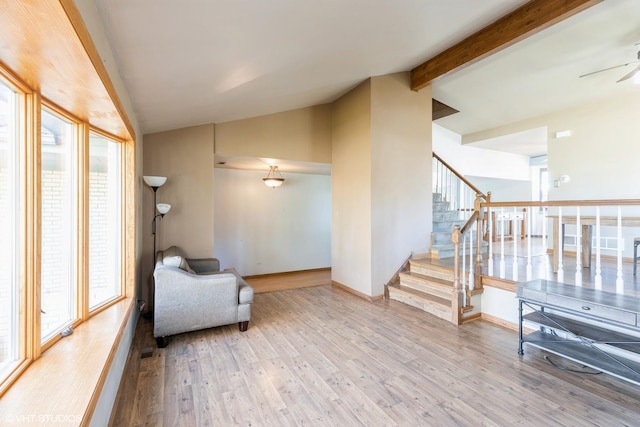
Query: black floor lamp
point(159, 210)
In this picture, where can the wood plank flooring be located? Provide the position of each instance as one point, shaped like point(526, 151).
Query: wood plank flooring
point(290, 280)
point(322, 356)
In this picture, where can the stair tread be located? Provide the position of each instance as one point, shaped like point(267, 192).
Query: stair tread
point(431, 298)
point(427, 264)
point(482, 243)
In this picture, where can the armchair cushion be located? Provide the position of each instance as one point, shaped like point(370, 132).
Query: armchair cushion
point(204, 265)
point(172, 257)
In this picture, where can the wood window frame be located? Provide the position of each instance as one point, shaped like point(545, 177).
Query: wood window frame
point(59, 32)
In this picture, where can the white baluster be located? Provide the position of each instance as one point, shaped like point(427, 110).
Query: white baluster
point(436, 174)
point(514, 228)
point(502, 264)
point(490, 262)
point(464, 262)
point(619, 280)
point(578, 277)
point(528, 237)
point(545, 257)
point(560, 247)
point(471, 266)
point(598, 276)
point(463, 279)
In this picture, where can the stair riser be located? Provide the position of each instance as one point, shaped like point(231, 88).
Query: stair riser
point(441, 237)
point(426, 270)
point(427, 306)
point(424, 285)
point(445, 216)
point(442, 253)
point(446, 226)
point(441, 206)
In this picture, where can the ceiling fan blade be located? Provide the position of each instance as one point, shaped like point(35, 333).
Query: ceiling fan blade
point(606, 69)
point(629, 75)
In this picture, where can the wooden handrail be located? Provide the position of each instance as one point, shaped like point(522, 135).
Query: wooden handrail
point(469, 223)
point(462, 178)
point(525, 204)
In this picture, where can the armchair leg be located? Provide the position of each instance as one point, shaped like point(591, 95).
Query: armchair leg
point(243, 326)
point(162, 342)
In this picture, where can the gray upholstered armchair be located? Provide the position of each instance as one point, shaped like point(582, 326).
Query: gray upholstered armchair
point(192, 294)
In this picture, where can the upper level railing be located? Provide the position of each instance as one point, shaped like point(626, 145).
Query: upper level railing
point(581, 242)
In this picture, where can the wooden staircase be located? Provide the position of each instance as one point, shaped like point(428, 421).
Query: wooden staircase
point(444, 219)
point(428, 287)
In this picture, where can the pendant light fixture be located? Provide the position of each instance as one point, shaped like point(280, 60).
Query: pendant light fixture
point(274, 177)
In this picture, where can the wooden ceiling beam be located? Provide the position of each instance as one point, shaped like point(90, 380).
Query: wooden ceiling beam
point(528, 19)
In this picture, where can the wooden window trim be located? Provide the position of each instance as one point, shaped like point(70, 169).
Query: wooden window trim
point(30, 73)
point(76, 367)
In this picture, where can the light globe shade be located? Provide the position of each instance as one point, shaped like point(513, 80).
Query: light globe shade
point(163, 208)
point(154, 181)
point(274, 177)
point(273, 182)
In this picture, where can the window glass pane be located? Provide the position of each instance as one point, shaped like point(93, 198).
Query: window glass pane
point(104, 220)
point(9, 285)
point(58, 215)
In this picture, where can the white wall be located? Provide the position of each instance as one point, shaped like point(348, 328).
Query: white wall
point(601, 155)
point(185, 157)
point(503, 190)
point(351, 189)
point(501, 304)
point(381, 163)
point(401, 202)
point(478, 162)
point(260, 230)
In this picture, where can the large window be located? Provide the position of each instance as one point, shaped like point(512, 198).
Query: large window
point(9, 286)
point(58, 230)
point(67, 193)
point(104, 220)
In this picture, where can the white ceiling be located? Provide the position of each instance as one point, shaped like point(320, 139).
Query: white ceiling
point(193, 62)
point(541, 74)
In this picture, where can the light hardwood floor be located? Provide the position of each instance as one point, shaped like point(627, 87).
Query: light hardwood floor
point(290, 280)
point(322, 356)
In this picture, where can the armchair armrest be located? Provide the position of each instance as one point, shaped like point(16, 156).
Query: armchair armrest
point(204, 265)
point(245, 290)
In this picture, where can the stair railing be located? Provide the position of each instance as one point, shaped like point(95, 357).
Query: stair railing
point(452, 187)
point(466, 198)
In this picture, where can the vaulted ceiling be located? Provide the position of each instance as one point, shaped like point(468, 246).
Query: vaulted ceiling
point(193, 62)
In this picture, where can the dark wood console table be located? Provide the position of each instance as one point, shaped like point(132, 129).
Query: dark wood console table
point(597, 329)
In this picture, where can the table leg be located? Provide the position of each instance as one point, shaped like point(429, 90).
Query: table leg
point(554, 238)
point(520, 337)
point(586, 245)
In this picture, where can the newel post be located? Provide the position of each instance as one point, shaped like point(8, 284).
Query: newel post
point(477, 268)
point(456, 297)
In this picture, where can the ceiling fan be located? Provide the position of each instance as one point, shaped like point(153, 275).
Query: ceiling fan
point(626, 76)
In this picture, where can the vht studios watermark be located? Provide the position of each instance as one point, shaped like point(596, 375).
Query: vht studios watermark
point(41, 418)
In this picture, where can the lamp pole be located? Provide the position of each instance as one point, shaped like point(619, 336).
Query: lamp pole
point(155, 182)
point(153, 224)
